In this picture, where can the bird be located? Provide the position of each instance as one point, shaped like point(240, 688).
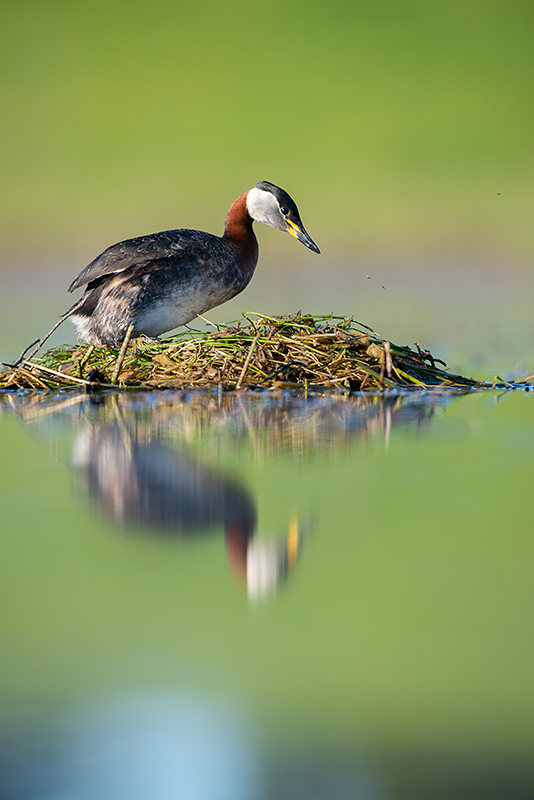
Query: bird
point(152, 284)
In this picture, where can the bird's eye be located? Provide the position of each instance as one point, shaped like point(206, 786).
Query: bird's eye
point(284, 211)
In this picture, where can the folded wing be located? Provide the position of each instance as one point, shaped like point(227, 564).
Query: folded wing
point(135, 252)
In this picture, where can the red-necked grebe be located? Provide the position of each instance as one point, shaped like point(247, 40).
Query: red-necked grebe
point(157, 282)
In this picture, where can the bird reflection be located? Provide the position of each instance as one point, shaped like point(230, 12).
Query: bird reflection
point(148, 487)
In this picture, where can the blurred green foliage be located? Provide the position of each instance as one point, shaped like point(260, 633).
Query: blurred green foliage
point(394, 124)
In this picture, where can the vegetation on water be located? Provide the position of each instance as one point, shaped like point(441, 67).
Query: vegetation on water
point(299, 352)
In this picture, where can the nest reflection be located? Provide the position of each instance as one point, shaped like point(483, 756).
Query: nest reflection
point(271, 425)
point(150, 463)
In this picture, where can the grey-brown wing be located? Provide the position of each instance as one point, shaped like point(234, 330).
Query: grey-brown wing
point(138, 251)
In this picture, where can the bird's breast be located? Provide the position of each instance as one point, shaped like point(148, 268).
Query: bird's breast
point(186, 293)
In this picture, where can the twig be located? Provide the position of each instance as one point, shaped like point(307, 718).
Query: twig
point(209, 321)
point(62, 319)
point(247, 361)
point(122, 353)
point(61, 375)
point(64, 376)
point(86, 357)
point(31, 377)
point(20, 359)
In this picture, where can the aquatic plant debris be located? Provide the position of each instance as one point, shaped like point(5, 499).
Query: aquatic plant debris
point(297, 352)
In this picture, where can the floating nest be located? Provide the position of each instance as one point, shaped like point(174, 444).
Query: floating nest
point(300, 353)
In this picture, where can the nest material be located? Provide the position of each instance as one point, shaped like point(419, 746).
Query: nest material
point(299, 352)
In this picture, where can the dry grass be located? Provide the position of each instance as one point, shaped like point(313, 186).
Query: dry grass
point(299, 353)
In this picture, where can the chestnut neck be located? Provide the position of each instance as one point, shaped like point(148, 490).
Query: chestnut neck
point(238, 225)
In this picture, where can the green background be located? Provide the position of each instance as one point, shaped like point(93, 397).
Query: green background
point(395, 125)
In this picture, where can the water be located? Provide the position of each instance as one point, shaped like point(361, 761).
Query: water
point(257, 597)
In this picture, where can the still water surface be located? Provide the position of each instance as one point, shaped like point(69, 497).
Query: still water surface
point(252, 597)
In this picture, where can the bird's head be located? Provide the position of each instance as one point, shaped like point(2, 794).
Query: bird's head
point(273, 206)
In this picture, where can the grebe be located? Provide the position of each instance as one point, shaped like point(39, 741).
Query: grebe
point(160, 281)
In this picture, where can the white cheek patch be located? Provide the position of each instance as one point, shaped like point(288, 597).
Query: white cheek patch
point(263, 207)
